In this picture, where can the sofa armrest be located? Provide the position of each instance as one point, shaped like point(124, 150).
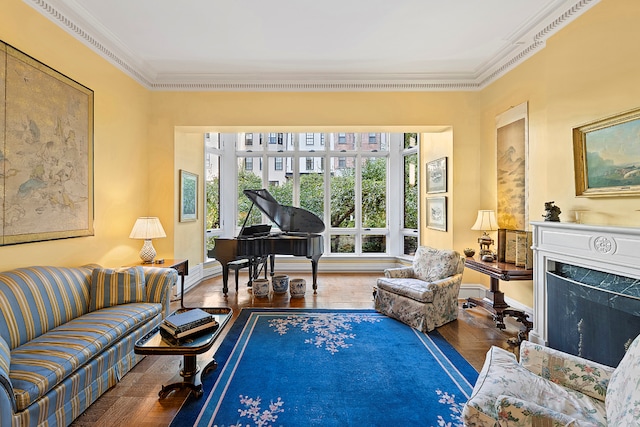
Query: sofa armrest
point(159, 282)
point(400, 272)
point(7, 396)
point(443, 284)
point(576, 373)
point(513, 411)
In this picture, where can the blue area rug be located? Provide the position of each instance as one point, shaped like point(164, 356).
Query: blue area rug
point(311, 367)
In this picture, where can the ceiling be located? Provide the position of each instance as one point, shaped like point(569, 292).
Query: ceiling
point(303, 45)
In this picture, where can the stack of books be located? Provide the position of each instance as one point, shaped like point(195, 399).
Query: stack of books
point(187, 324)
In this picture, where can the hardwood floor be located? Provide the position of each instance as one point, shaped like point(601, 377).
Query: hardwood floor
point(134, 401)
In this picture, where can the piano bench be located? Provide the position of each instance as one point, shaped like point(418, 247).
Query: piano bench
point(237, 265)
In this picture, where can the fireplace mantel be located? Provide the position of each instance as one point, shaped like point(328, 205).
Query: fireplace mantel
point(605, 248)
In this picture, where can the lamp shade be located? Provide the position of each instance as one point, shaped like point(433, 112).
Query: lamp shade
point(486, 221)
point(147, 227)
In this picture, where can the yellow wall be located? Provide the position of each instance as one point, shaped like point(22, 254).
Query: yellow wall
point(587, 71)
point(120, 144)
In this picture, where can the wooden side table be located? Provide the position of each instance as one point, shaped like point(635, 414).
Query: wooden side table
point(496, 305)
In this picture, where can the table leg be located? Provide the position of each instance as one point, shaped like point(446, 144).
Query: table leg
point(499, 308)
point(192, 377)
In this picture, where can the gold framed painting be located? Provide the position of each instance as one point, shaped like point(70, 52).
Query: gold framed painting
point(46, 146)
point(606, 155)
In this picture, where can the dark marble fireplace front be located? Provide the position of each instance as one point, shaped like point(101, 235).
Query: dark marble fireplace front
point(592, 314)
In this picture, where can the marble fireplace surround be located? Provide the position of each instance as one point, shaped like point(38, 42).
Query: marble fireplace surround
point(608, 249)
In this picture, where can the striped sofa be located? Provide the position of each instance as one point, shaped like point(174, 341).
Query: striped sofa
point(67, 335)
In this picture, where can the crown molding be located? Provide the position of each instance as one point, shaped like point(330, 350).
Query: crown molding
point(523, 44)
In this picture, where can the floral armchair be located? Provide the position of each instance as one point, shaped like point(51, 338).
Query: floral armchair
point(551, 388)
point(425, 295)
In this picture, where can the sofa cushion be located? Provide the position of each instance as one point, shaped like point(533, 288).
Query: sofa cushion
point(40, 364)
point(501, 375)
point(415, 289)
point(623, 393)
point(430, 264)
point(34, 300)
point(111, 287)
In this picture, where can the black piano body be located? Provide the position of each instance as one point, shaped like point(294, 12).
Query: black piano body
point(298, 238)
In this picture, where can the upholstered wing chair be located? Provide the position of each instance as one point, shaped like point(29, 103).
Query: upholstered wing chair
point(425, 295)
point(551, 388)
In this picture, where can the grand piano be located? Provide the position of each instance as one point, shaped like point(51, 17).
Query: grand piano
point(298, 236)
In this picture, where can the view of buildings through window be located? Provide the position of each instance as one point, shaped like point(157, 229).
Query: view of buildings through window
point(343, 178)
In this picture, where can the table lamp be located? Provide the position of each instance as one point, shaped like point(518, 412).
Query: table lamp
point(147, 228)
point(486, 221)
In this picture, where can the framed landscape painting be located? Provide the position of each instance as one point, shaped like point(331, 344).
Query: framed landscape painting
point(607, 156)
point(437, 213)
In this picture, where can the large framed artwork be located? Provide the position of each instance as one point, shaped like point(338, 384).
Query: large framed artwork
point(437, 213)
point(188, 196)
point(606, 156)
point(512, 160)
point(46, 148)
point(437, 176)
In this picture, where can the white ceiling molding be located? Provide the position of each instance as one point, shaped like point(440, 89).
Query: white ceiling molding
point(527, 40)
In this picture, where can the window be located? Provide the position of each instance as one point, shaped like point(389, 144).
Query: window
point(349, 187)
point(410, 194)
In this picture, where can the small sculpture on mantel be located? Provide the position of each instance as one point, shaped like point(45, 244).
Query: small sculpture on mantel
point(552, 212)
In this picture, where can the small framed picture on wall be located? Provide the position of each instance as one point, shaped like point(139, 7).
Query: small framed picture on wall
point(437, 176)
point(188, 196)
point(437, 213)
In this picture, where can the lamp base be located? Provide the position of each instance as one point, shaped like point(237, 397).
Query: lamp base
point(148, 252)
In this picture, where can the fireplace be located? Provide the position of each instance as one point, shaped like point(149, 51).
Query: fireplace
point(586, 289)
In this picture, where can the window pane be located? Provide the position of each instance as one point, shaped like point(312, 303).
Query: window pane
point(411, 191)
point(410, 140)
point(374, 192)
point(374, 244)
point(342, 186)
point(343, 243)
point(212, 190)
point(410, 245)
point(374, 141)
point(280, 184)
point(342, 141)
point(211, 140)
point(312, 187)
point(247, 179)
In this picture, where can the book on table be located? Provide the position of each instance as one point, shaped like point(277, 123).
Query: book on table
point(187, 323)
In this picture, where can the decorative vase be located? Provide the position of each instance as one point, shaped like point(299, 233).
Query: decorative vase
point(280, 284)
point(260, 288)
point(297, 288)
point(469, 252)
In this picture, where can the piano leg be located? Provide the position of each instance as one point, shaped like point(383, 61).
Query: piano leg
point(225, 279)
point(314, 272)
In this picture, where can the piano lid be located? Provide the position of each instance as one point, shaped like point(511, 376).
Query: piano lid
point(288, 218)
